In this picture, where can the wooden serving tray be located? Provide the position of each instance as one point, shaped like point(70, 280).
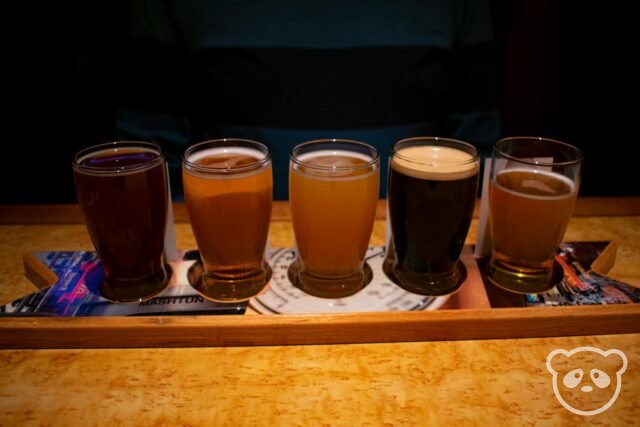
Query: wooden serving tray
point(466, 315)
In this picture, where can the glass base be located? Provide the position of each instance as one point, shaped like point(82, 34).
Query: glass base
point(136, 290)
point(227, 290)
point(328, 288)
point(426, 284)
point(517, 280)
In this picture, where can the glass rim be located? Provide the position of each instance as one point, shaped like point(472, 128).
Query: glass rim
point(225, 142)
point(375, 158)
point(475, 156)
point(579, 155)
point(113, 146)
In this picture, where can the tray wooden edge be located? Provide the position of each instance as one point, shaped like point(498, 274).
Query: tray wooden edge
point(307, 329)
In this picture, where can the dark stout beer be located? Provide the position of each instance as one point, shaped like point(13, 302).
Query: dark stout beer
point(432, 192)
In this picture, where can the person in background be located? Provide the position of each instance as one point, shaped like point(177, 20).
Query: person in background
point(283, 72)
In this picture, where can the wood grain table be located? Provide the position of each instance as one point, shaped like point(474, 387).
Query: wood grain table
point(491, 381)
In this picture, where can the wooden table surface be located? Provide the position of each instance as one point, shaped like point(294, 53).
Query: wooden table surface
point(405, 383)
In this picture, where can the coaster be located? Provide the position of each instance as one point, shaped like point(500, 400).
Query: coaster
point(230, 291)
point(579, 276)
point(282, 297)
point(76, 291)
point(387, 267)
point(94, 279)
point(365, 279)
point(511, 277)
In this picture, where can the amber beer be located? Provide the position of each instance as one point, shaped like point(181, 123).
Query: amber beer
point(333, 189)
point(228, 193)
point(122, 190)
point(529, 232)
point(432, 192)
point(534, 186)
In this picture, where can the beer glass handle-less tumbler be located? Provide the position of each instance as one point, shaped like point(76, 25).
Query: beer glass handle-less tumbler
point(533, 189)
point(122, 190)
point(333, 192)
point(228, 193)
point(432, 192)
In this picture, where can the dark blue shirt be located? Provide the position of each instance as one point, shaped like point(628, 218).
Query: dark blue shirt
point(284, 72)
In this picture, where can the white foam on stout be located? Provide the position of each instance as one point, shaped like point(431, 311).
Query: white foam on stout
point(333, 165)
point(219, 172)
point(435, 163)
point(539, 185)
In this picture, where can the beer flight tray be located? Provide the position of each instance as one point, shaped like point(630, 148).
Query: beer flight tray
point(68, 311)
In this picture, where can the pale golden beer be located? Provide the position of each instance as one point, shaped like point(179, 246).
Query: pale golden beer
point(533, 189)
point(333, 191)
point(228, 193)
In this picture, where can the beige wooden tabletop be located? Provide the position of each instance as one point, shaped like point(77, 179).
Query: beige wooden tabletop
point(406, 383)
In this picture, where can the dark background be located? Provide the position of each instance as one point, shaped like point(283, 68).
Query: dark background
point(567, 70)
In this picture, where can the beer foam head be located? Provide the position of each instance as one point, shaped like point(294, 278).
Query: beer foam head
point(335, 164)
point(226, 162)
point(117, 160)
point(234, 152)
point(336, 155)
point(535, 183)
point(434, 162)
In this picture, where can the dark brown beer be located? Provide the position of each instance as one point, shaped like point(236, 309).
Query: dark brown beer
point(123, 195)
point(430, 208)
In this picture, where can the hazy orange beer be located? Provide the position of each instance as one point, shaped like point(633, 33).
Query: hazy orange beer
point(228, 192)
point(534, 186)
point(333, 191)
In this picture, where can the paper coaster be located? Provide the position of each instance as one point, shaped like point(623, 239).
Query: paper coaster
point(282, 297)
